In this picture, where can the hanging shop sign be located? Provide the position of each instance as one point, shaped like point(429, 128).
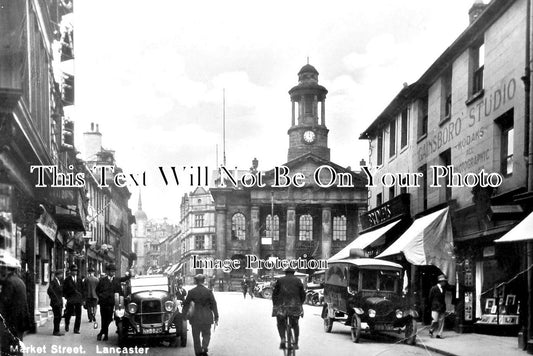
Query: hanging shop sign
point(394, 208)
point(47, 224)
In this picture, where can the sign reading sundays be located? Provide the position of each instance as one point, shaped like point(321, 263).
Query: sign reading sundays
point(394, 208)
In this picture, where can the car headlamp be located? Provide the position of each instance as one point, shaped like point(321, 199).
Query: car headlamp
point(371, 313)
point(399, 314)
point(132, 308)
point(169, 305)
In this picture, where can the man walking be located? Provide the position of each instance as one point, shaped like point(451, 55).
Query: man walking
point(90, 297)
point(288, 296)
point(244, 286)
point(13, 302)
point(55, 292)
point(251, 286)
point(204, 314)
point(438, 306)
point(106, 289)
point(72, 291)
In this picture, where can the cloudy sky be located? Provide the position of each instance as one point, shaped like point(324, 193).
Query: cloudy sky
point(151, 74)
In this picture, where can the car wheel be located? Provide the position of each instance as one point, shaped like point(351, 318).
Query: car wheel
point(356, 328)
point(328, 324)
point(183, 334)
point(410, 332)
point(267, 293)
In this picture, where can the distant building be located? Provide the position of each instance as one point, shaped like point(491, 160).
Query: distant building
point(156, 232)
point(307, 222)
point(139, 237)
point(197, 236)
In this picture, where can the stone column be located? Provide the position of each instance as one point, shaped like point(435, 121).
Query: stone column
point(326, 232)
point(323, 114)
point(293, 113)
point(256, 238)
point(221, 237)
point(291, 233)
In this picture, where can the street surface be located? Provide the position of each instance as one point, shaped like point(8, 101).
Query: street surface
point(245, 328)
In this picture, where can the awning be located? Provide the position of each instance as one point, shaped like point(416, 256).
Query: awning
point(521, 232)
point(363, 241)
point(428, 241)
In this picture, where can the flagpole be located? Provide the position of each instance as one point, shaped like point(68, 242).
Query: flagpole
point(224, 126)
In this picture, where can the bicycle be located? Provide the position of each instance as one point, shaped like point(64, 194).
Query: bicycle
point(290, 338)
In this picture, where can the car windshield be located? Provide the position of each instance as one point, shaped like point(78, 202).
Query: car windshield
point(383, 280)
point(140, 284)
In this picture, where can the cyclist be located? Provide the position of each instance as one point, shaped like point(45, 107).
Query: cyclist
point(288, 296)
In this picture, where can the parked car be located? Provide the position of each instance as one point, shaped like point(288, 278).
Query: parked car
point(265, 284)
point(150, 310)
point(366, 294)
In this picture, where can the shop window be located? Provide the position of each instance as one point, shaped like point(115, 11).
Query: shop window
point(238, 227)
point(423, 117)
point(392, 138)
point(403, 139)
point(379, 199)
point(391, 193)
point(478, 65)
point(506, 126)
point(339, 228)
point(306, 228)
point(272, 227)
point(380, 149)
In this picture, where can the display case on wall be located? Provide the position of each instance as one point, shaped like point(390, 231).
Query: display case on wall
point(501, 311)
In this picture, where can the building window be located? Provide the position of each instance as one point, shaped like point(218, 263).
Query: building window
point(403, 141)
point(478, 64)
point(391, 193)
point(339, 228)
point(238, 227)
point(392, 138)
point(213, 242)
point(423, 195)
point(446, 95)
point(199, 242)
point(199, 220)
point(403, 190)
point(423, 117)
point(272, 227)
point(379, 199)
point(380, 149)
point(306, 228)
point(506, 125)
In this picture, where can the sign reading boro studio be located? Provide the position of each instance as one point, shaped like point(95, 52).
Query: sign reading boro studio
point(394, 208)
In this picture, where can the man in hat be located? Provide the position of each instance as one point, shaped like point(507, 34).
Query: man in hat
point(73, 292)
point(106, 289)
point(13, 302)
point(205, 313)
point(55, 292)
point(438, 306)
point(89, 295)
point(288, 296)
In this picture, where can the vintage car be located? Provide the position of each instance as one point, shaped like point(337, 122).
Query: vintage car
point(265, 284)
point(151, 310)
point(366, 294)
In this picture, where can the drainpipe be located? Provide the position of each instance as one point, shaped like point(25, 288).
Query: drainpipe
point(529, 173)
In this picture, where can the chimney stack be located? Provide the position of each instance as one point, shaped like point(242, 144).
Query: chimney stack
point(476, 10)
point(92, 144)
point(362, 163)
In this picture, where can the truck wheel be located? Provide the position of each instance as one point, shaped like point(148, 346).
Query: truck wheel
point(356, 328)
point(267, 293)
point(410, 332)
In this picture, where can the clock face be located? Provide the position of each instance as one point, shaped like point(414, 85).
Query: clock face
point(309, 136)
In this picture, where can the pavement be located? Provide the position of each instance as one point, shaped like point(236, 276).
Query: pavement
point(468, 344)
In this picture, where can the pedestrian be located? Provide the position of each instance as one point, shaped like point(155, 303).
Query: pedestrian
point(73, 293)
point(288, 296)
point(204, 313)
point(106, 289)
point(181, 293)
point(90, 297)
point(244, 286)
point(55, 292)
point(251, 286)
point(438, 306)
point(13, 301)
point(211, 282)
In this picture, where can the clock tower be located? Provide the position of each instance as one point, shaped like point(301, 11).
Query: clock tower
point(308, 132)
